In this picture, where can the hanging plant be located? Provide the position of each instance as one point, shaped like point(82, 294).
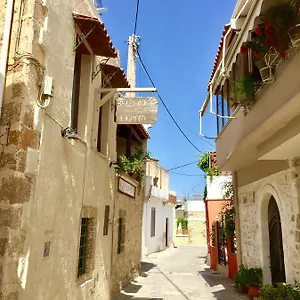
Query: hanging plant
point(205, 166)
point(133, 165)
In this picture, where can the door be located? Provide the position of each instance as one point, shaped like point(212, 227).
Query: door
point(276, 248)
point(222, 245)
point(167, 231)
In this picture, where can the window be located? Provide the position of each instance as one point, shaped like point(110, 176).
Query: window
point(83, 65)
point(86, 244)
point(121, 227)
point(83, 247)
point(153, 212)
point(76, 89)
point(102, 131)
point(106, 220)
point(99, 139)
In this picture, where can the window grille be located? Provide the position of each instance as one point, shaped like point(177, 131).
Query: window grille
point(83, 247)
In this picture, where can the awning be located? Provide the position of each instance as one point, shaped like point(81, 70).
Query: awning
point(253, 13)
point(117, 76)
point(96, 35)
point(219, 56)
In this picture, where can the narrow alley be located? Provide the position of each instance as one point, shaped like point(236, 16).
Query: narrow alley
point(179, 274)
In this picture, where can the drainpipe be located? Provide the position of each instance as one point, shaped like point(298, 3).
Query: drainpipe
point(5, 48)
point(237, 219)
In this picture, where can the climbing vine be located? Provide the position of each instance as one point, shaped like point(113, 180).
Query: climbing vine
point(228, 212)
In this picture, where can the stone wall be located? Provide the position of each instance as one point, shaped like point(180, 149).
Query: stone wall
point(46, 181)
point(126, 265)
point(195, 235)
point(253, 200)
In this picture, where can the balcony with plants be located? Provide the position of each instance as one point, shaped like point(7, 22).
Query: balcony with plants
point(264, 85)
point(131, 153)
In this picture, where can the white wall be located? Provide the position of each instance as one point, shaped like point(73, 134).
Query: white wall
point(215, 187)
point(157, 242)
point(195, 206)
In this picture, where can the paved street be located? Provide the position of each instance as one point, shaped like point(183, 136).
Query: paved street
point(179, 274)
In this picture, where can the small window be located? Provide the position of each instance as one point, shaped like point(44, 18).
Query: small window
point(106, 220)
point(153, 212)
point(121, 232)
point(76, 89)
point(83, 247)
point(99, 139)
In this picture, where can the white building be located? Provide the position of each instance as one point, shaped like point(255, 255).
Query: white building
point(159, 210)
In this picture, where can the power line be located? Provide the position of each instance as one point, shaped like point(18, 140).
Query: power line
point(164, 104)
point(190, 175)
point(136, 16)
point(194, 133)
point(190, 163)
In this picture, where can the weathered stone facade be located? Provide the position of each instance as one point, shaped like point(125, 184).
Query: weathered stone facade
point(126, 264)
point(47, 182)
point(254, 198)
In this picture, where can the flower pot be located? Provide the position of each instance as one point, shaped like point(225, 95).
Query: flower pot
point(267, 74)
point(244, 289)
point(294, 34)
point(253, 291)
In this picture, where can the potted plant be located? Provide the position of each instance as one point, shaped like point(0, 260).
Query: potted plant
point(254, 281)
point(240, 279)
point(278, 292)
point(245, 88)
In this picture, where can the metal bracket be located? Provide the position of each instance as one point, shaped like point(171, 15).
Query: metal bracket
point(82, 36)
point(108, 78)
point(98, 68)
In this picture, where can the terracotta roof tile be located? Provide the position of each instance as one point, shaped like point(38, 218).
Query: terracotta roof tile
point(219, 55)
point(98, 39)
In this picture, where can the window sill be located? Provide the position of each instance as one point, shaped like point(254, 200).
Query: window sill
point(84, 279)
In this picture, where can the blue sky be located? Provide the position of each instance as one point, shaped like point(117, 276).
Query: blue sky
point(179, 40)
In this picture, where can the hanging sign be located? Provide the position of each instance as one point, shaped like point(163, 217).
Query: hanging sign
point(136, 110)
point(126, 188)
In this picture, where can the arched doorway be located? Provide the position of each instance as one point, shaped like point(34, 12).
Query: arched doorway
point(276, 248)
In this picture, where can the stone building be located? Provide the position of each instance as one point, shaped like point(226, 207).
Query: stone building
point(258, 139)
point(159, 210)
point(193, 211)
point(59, 203)
point(130, 197)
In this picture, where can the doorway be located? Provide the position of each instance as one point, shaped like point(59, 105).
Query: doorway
point(276, 248)
point(167, 232)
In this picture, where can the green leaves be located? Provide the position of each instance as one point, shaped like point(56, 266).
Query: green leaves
point(133, 165)
point(245, 85)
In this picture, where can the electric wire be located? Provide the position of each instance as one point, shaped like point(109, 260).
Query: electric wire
point(190, 163)
point(136, 16)
point(189, 175)
point(194, 133)
point(165, 106)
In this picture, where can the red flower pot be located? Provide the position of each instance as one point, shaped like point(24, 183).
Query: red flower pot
point(244, 289)
point(253, 291)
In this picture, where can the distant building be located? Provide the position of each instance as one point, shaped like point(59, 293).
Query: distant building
point(159, 210)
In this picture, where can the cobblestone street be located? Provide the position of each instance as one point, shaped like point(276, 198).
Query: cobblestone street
point(179, 274)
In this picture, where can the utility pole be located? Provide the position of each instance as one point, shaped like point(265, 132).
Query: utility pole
point(131, 66)
point(131, 63)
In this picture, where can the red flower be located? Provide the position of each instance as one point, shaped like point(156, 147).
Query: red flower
point(244, 50)
point(255, 54)
point(258, 31)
